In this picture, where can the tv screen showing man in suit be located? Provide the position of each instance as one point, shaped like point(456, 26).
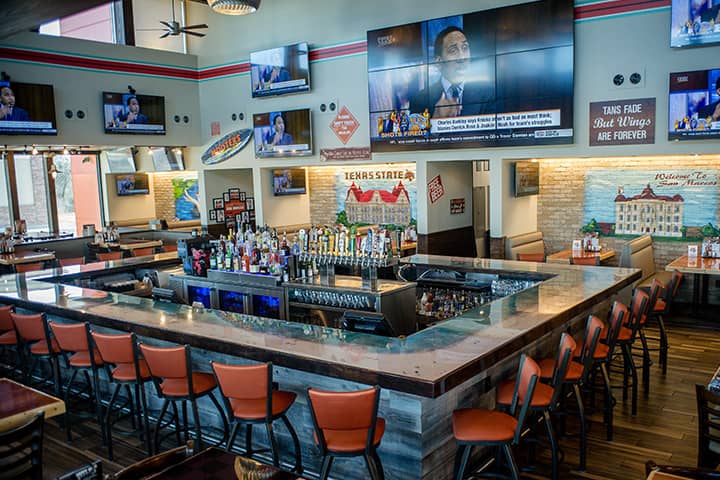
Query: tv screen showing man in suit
point(491, 78)
point(694, 105)
point(27, 109)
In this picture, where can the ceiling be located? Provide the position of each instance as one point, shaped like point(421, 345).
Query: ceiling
point(23, 15)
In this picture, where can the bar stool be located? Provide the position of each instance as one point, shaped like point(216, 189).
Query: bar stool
point(346, 425)
point(67, 262)
point(171, 372)
point(590, 261)
point(250, 399)
point(124, 368)
point(661, 309)
point(481, 427)
point(531, 257)
point(108, 256)
point(29, 267)
point(34, 337)
point(141, 252)
point(656, 289)
point(75, 350)
point(545, 397)
point(8, 335)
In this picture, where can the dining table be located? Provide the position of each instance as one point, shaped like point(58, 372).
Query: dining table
point(131, 244)
point(701, 268)
point(10, 259)
point(564, 256)
point(20, 403)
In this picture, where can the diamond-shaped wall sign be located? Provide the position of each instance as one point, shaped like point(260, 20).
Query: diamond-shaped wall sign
point(344, 125)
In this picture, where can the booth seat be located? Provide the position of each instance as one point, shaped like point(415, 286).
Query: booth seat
point(638, 253)
point(526, 243)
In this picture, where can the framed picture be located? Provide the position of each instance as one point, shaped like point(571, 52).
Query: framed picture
point(234, 194)
point(245, 217)
point(213, 214)
point(242, 196)
point(226, 196)
point(220, 216)
point(250, 203)
point(238, 218)
point(218, 203)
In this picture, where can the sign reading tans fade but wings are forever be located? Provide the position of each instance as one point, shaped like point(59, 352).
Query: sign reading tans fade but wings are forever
point(622, 122)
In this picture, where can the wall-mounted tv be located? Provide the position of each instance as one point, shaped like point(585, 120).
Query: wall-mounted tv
point(500, 77)
point(132, 184)
point(120, 160)
point(527, 178)
point(167, 159)
point(695, 23)
point(694, 105)
point(130, 113)
point(289, 181)
point(281, 70)
point(283, 134)
point(27, 109)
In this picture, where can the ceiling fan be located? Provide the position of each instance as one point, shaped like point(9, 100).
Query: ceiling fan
point(173, 27)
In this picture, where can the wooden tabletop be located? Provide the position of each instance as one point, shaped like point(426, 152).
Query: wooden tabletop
point(131, 244)
point(20, 403)
point(25, 257)
point(685, 264)
point(565, 255)
point(658, 475)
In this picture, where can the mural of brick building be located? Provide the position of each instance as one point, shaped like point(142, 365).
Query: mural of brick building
point(660, 215)
point(378, 206)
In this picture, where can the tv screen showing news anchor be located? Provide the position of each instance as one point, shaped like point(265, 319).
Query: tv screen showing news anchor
point(283, 133)
point(694, 105)
point(497, 77)
point(130, 113)
point(27, 109)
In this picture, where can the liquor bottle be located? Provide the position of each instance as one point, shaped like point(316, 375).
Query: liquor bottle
point(342, 242)
point(213, 259)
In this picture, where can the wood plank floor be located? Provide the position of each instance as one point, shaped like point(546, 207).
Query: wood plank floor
point(664, 429)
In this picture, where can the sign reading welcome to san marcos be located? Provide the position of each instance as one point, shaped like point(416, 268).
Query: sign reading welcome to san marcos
point(227, 146)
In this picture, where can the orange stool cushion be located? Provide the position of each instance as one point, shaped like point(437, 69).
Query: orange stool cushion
point(541, 397)
point(601, 351)
point(41, 347)
point(125, 372)
point(659, 305)
point(351, 440)
point(82, 359)
point(574, 370)
point(178, 387)
point(8, 338)
point(624, 335)
point(479, 425)
point(255, 408)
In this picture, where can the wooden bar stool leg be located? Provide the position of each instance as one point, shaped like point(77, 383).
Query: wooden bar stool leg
point(582, 434)
point(609, 401)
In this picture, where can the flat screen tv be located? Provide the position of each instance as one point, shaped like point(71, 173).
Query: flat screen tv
point(694, 105)
point(695, 23)
point(283, 134)
point(167, 159)
point(136, 114)
point(132, 184)
point(27, 109)
point(281, 70)
point(500, 77)
point(289, 181)
point(527, 178)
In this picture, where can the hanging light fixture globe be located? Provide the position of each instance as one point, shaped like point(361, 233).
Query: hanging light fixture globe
point(234, 7)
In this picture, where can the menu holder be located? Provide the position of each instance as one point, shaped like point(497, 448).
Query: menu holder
point(711, 247)
point(692, 251)
point(577, 246)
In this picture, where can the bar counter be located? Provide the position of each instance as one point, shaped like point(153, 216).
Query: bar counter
point(463, 357)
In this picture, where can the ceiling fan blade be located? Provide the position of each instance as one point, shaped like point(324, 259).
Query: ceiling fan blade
point(166, 34)
point(192, 27)
point(167, 24)
point(151, 30)
point(193, 33)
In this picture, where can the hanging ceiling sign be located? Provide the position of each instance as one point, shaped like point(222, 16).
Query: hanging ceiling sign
point(226, 147)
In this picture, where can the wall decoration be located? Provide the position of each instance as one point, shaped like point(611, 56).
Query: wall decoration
point(226, 147)
point(213, 214)
point(457, 206)
point(344, 124)
point(234, 194)
point(214, 128)
point(234, 208)
point(218, 203)
point(622, 122)
point(344, 154)
point(435, 189)
point(187, 198)
point(250, 203)
point(662, 203)
point(220, 216)
point(226, 197)
point(382, 194)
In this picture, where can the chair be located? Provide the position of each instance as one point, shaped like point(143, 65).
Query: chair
point(170, 248)
point(29, 267)
point(346, 425)
point(108, 256)
point(154, 464)
point(656, 289)
point(143, 252)
point(124, 368)
point(250, 399)
point(66, 262)
point(91, 471)
point(626, 338)
point(490, 428)
point(72, 340)
point(33, 335)
point(660, 310)
point(531, 257)
point(8, 335)
point(652, 469)
point(708, 408)
point(546, 396)
point(21, 450)
point(638, 253)
point(171, 372)
point(591, 260)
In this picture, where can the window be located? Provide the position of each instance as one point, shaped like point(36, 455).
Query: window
point(32, 191)
point(5, 210)
point(77, 195)
point(103, 23)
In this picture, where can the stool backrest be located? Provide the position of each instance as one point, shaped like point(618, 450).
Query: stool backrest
point(6, 323)
point(141, 252)
point(166, 362)
point(29, 267)
point(708, 409)
point(344, 411)
point(618, 315)
point(21, 449)
point(531, 257)
point(245, 382)
point(115, 348)
point(71, 337)
point(656, 291)
point(593, 328)
point(562, 361)
point(32, 327)
point(638, 307)
point(527, 378)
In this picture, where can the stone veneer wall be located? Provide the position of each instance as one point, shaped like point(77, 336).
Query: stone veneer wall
point(164, 196)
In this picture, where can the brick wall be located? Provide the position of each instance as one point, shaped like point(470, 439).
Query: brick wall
point(163, 190)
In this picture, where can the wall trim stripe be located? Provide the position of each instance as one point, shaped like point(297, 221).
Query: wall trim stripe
point(584, 11)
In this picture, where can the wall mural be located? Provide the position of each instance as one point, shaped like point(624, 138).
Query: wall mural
point(187, 198)
point(668, 204)
point(379, 194)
